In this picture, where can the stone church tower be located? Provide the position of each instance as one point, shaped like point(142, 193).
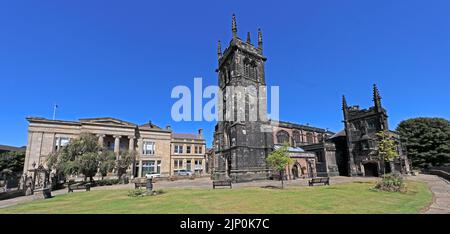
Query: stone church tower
point(361, 127)
point(243, 136)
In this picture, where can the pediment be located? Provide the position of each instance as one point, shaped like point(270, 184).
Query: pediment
point(107, 121)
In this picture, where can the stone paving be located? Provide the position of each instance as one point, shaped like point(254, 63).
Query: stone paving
point(441, 194)
point(439, 187)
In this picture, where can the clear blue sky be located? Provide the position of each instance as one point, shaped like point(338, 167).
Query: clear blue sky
point(122, 58)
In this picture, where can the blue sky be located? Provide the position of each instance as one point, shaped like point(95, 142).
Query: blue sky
point(122, 58)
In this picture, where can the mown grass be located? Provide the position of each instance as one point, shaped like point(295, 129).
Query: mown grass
point(349, 198)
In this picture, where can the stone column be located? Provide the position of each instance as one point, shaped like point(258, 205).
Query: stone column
point(203, 166)
point(117, 146)
point(131, 143)
point(101, 138)
point(139, 146)
point(140, 169)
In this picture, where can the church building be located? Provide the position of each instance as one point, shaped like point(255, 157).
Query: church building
point(241, 145)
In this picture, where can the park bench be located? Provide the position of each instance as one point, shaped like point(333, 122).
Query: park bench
point(138, 185)
point(324, 181)
point(222, 183)
point(79, 186)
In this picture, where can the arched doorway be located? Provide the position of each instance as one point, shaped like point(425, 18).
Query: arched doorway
point(295, 171)
point(371, 169)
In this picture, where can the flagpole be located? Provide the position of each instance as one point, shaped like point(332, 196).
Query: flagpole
point(54, 111)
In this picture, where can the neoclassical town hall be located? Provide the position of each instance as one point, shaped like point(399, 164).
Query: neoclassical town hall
point(159, 150)
point(240, 147)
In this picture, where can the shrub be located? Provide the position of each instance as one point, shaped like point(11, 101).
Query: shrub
point(143, 192)
point(106, 182)
point(98, 183)
point(391, 183)
point(137, 193)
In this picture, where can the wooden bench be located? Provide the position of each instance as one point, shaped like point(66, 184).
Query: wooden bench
point(138, 185)
point(324, 181)
point(79, 186)
point(222, 183)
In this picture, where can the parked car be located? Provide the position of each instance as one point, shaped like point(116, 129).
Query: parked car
point(152, 175)
point(185, 173)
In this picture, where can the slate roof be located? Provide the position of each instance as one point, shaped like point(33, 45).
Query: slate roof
point(339, 134)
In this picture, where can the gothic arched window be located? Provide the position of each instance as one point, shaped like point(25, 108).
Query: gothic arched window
point(296, 136)
point(320, 138)
point(282, 137)
point(309, 138)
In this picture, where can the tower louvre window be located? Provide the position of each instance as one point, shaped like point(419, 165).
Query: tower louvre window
point(249, 70)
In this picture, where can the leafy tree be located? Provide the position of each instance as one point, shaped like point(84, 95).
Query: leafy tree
point(427, 141)
point(279, 159)
point(80, 156)
point(124, 162)
point(387, 147)
point(87, 164)
point(13, 161)
point(107, 163)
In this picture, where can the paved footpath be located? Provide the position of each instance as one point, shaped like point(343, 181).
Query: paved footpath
point(441, 193)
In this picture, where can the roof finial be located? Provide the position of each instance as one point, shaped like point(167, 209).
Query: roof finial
point(234, 26)
point(376, 97)
point(344, 103)
point(344, 107)
point(248, 38)
point(260, 42)
point(219, 49)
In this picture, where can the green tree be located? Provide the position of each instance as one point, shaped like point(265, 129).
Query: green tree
point(124, 162)
point(81, 155)
point(12, 161)
point(427, 141)
point(107, 163)
point(387, 147)
point(279, 159)
point(87, 164)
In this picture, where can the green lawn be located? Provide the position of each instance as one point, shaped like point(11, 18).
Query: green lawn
point(357, 197)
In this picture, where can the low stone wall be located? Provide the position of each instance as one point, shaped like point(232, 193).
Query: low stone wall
point(11, 194)
point(441, 173)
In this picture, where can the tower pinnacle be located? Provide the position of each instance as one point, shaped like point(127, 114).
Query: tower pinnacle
point(376, 97)
point(234, 26)
point(260, 42)
point(219, 49)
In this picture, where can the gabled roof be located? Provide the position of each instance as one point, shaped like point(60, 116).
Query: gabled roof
point(149, 126)
point(189, 136)
point(107, 120)
point(339, 134)
point(298, 126)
